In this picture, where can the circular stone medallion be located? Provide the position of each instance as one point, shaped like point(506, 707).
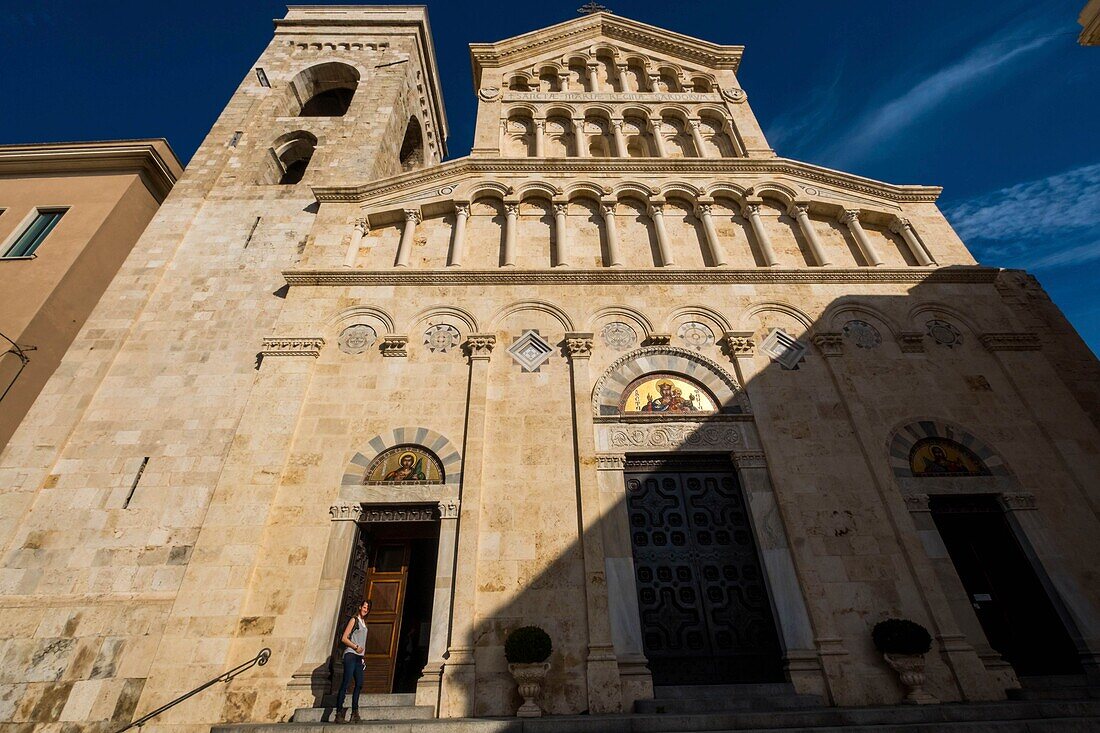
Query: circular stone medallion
point(862, 334)
point(695, 334)
point(619, 335)
point(441, 337)
point(357, 339)
point(944, 333)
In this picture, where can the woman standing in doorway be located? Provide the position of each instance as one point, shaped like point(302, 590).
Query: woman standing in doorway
point(354, 641)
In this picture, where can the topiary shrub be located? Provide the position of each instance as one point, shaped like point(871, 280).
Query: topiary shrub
point(901, 636)
point(527, 645)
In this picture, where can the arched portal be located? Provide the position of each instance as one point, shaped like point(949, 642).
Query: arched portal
point(702, 589)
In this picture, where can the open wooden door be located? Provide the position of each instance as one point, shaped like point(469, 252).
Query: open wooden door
point(386, 585)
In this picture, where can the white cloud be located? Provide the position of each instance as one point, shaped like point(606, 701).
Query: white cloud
point(880, 125)
point(1043, 224)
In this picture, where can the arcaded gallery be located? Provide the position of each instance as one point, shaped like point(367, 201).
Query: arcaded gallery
point(703, 414)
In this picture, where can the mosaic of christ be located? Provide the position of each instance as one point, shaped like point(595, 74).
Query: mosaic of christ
point(405, 464)
point(667, 393)
point(942, 457)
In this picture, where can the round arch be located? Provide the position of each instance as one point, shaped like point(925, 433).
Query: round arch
point(437, 443)
point(608, 392)
point(908, 434)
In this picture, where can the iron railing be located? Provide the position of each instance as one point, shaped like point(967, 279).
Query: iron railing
point(258, 660)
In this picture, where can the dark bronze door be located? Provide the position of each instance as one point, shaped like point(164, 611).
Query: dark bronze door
point(706, 617)
point(1012, 606)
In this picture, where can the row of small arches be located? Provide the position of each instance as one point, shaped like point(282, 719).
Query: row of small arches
point(605, 73)
point(668, 134)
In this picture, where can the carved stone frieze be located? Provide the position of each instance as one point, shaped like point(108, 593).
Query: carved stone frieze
point(393, 345)
point(578, 345)
point(1011, 341)
point(345, 512)
point(513, 96)
point(658, 339)
point(292, 346)
point(610, 462)
point(680, 435)
point(414, 513)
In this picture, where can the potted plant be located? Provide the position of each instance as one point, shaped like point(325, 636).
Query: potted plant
point(527, 649)
point(903, 644)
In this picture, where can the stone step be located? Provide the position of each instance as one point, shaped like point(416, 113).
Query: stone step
point(379, 713)
point(375, 699)
point(697, 691)
point(719, 698)
point(1055, 687)
point(1003, 717)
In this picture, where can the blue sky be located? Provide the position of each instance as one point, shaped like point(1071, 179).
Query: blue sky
point(995, 102)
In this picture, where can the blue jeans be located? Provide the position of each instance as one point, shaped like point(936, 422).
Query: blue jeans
point(353, 670)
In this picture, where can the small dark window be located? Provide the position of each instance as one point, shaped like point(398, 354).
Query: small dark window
point(35, 233)
point(294, 172)
point(329, 103)
point(412, 147)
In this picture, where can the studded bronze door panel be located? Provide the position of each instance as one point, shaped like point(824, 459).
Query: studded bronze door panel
point(706, 618)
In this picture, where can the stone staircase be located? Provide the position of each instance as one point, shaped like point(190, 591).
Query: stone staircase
point(1014, 716)
point(726, 698)
point(1063, 687)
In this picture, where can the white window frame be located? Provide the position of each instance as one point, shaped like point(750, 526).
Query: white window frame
point(21, 229)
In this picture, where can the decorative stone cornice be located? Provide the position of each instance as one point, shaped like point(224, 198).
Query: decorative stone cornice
point(479, 346)
point(829, 344)
point(1020, 501)
point(617, 276)
point(610, 462)
point(658, 339)
point(393, 345)
point(673, 436)
point(1011, 341)
point(738, 344)
point(445, 175)
point(750, 459)
point(449, 508)
point(911, 342)
point(578, 345)
point(345, 512)
point(152, 159)
point(292, 346)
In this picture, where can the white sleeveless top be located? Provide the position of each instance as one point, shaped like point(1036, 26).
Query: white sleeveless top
point(358, 636)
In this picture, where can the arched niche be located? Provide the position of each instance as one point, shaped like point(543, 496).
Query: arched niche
point(365, 477)
point(323, 90)
point(411, 156)
point(288, 158)
point(614, 385)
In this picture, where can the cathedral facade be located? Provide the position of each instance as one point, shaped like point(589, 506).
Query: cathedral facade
point(703, 413)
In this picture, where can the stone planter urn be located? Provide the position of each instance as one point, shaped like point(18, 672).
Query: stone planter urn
point(529, 679)
point(910, 669)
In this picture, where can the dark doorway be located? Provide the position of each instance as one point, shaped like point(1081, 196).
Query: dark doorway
point(1012, 605)
point(706, 616)
point(394, 566)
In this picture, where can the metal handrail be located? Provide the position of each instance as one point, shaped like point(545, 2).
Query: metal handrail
point(258, 660)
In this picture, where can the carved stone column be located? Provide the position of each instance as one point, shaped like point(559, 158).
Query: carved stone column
point(563, 81)
point(751, 211)
point(580, 140)
point(620, 140)
point(561, 234)
point(657, 214)
point(905, 229)
point(801, 213)
point(357, 233)
point(620, 73)
point(604, 692)
point(829, 344)
point(607, 206)
point(697, 137)
point(458, 235)
point(850, 218)
point(658, 139)
point(703, 211)
point(511, 213)
point(593, 77)
point(458, 694)
point(408, 234)
point(431, 678)
point(540, 138)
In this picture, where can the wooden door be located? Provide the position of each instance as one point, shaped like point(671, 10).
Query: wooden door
point(706, 616)
point(1008, 598)
point(386, 585)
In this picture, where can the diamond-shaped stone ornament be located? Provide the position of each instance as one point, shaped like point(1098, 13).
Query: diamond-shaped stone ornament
point(530, 350)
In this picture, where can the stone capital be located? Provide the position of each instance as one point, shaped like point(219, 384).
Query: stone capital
point(702, 210)
point(579, 345)
point(480, 345)
point(798, 208)
point(394, 345)
point(610, 462)
point(738, 344)
point(900, 225)
point(849, 217)
point(462, 208)
point(345, 512)
point(413, 215)
point(561, 207)
point(911, 342)
point(658, 339)
point(448, 508)
point(361, 225)
point(829, 344)
point(511, 209)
